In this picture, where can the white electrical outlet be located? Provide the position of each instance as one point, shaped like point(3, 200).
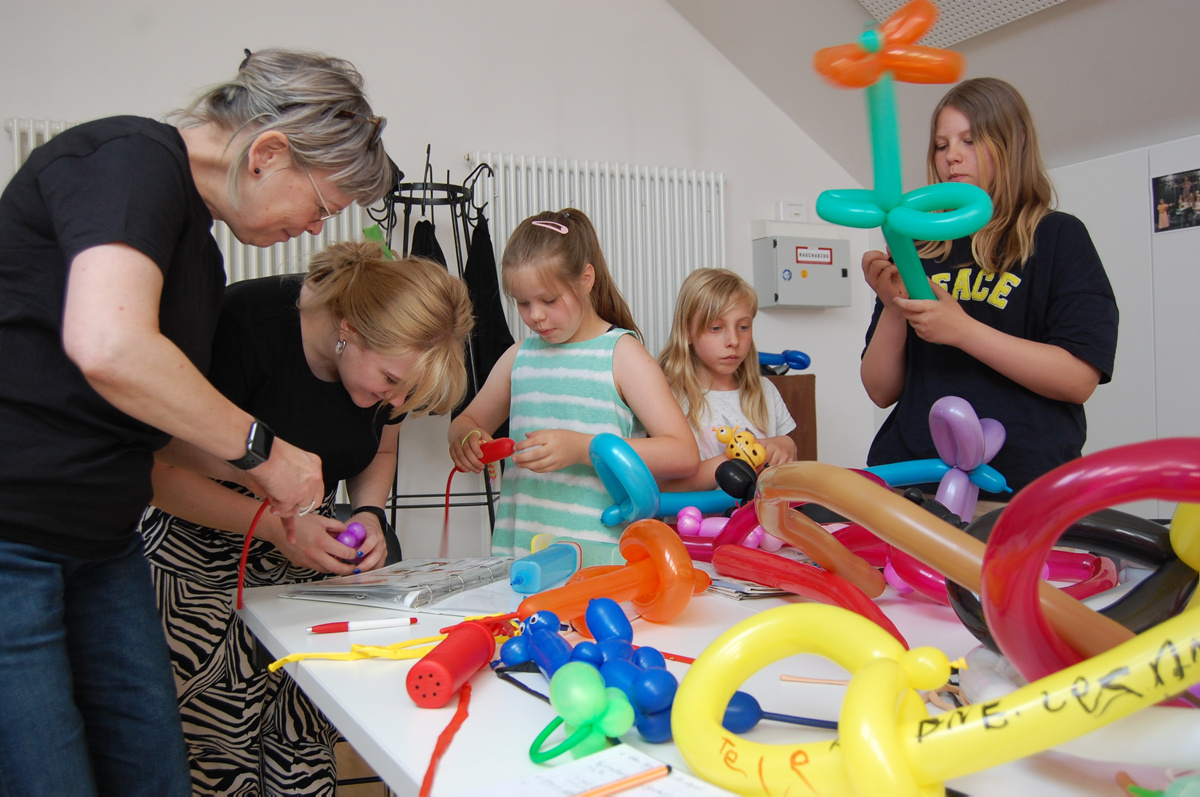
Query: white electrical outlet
point(793, 211)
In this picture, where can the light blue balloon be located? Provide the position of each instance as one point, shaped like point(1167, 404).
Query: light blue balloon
point(914, 471)
point(626, 478)
point(988, 479)
point(709, 502)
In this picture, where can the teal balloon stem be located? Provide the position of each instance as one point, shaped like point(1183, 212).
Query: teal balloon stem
point(885, 147)
point(908, 263)
point(885, 138)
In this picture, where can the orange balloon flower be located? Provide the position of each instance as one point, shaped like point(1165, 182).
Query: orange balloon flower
point(891, 48)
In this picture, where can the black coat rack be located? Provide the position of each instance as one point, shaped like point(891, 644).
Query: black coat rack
point(426, 196)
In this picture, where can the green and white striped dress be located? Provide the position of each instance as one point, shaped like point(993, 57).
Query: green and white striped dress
point(561, 386)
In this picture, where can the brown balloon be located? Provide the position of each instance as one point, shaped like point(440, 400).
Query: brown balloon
point(901, 523)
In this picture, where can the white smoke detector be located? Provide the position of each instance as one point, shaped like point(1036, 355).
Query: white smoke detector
point(962, 19)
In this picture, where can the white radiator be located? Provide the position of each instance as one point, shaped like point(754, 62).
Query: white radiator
point(241, 261)
point(656, 225)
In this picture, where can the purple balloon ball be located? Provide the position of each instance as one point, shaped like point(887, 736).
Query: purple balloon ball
point(353, 536)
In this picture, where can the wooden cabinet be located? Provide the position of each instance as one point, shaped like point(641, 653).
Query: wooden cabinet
point(799, 393)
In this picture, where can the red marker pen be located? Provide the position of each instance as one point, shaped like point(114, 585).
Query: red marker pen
point(360, 625)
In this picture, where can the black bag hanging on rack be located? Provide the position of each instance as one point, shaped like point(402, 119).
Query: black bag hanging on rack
point(491, 336)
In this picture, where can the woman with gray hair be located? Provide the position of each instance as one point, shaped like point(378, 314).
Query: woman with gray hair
point(110, 286)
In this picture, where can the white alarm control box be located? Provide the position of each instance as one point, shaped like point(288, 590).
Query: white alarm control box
point(802, 272)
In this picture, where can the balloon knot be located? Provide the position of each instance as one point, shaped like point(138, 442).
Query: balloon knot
point(871, 41)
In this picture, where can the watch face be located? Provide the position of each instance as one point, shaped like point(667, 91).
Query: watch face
point(261, 440)
point(258, 446)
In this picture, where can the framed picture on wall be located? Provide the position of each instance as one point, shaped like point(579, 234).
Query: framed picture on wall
point(1175, 201)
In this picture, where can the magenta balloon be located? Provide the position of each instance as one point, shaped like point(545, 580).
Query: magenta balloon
point(958, 493)
point(957, 435)
point(743, 521)
point(862, 542)
point(918, 575)
point(993, 437)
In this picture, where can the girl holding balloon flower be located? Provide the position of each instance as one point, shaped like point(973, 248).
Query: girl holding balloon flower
point(1024, 322)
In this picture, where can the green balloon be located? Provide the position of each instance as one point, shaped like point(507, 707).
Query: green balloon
point(577, 693)
point(618, 716)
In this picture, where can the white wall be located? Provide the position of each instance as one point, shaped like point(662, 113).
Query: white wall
point(1156, 277)
point(622, 80)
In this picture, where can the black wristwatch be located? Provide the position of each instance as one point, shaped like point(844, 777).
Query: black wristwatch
point(378, 512)
point(258, 446)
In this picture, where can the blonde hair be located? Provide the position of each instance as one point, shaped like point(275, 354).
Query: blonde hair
point(706, 295)
point(1021, 191)
point(562, 259)
point(400, 306)
point(316, 101)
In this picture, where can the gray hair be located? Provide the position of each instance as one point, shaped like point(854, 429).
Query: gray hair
point(316, 101)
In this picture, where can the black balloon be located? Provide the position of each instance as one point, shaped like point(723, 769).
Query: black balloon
point(737, 479)
point(1117, 535)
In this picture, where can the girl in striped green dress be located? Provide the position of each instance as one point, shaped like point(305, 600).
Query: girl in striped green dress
point(584, 371)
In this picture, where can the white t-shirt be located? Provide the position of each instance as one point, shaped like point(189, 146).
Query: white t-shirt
point(725, 409)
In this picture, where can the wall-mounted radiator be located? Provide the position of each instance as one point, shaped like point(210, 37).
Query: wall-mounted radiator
point(241, 261)
point(656, 225)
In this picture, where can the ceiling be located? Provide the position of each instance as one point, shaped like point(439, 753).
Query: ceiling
point(1100, 76)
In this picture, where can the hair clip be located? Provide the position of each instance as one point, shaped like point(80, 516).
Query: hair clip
point(245, 60)
point(561, 229)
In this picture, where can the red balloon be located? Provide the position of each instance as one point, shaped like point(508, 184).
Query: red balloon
point(1028, 528)
point(805, 580)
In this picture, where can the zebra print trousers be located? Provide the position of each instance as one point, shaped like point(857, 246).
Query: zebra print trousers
point(249, 732)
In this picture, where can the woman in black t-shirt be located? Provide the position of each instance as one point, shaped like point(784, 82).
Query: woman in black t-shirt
point(331, 361)
point(1024, 326)
point(110, 284)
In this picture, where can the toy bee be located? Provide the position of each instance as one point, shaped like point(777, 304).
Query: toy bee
point(741, 445)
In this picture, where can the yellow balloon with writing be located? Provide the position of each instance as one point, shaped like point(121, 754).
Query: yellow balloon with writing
point(888, 743)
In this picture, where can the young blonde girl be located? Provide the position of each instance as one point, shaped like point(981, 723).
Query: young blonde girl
point(712, 367)
point(582, 372)
point(1024, 323)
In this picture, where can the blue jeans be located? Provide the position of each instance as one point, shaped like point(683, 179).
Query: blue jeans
point(87, 699)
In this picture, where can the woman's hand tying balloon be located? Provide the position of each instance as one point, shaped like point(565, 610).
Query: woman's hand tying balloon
point(883, 277)
point(942, 320)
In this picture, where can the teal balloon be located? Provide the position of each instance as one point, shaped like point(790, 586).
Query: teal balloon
point(885, 141)
point(850, 207)
point(966, 209)
point(908, 263)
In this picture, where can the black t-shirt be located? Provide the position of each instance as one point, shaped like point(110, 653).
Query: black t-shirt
point(75, 474)
point(1062, 297)
point(258, 362)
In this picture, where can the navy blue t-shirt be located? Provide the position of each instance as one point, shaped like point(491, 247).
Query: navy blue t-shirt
point(75, 474)
point(1061, 296)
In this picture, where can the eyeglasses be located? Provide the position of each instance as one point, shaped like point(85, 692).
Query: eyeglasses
point(378, 122)
point(326, 215)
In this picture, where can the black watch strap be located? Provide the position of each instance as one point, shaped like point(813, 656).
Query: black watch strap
point(378, 512)
point(258, 446)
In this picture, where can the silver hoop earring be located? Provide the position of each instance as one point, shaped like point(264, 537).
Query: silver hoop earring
point(341, 346)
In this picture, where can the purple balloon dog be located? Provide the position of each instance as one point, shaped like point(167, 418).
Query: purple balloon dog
point(964, 442)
